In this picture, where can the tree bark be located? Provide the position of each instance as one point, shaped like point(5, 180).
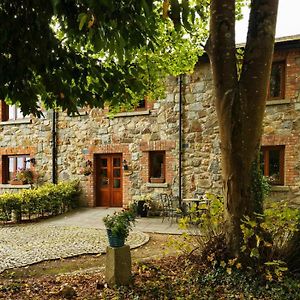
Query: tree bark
point(240, 104)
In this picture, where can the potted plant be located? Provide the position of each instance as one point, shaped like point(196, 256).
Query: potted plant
point(144, 204)
point(118, 227)
point(23, 176)
point(87, 168)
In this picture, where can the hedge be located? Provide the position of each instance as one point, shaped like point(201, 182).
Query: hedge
point(49, 199)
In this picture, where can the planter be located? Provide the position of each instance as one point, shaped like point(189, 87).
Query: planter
point(142, 209)
point(16, 182)
point(157, 180)
point(115, 241)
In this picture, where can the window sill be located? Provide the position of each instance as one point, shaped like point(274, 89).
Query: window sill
point(16, 122)
point(279, 188)
point(12, 186)
point(132, 113)
point(157, 185)
point(278, 102)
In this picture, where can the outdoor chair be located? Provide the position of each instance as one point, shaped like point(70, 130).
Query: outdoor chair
point(170, 207)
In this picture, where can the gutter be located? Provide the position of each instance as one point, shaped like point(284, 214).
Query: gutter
point(54, 146)
point(181, 76)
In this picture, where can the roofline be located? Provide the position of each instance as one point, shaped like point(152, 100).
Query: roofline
point(295, 39)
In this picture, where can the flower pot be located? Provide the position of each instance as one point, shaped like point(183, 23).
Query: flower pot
point(142, 209)
point(114, 240)
point(16, 182)
point(157, 180)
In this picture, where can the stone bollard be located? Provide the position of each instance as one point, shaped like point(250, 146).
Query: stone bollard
point(118, 266)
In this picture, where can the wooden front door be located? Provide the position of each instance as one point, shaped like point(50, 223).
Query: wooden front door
point(109, 180)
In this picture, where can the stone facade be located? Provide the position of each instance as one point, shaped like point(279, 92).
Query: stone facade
point(135, 134)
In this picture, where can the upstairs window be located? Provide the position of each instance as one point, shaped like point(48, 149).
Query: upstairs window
point(11, 112)
point(12, 164)
point(272, 164)
point(157, 166)
point(142, 105)
point(277, 81)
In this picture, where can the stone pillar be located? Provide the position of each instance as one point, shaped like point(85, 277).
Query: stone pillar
point(118, 266)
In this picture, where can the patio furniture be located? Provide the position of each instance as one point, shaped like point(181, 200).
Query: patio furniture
point(170, 207)
point(195, 207)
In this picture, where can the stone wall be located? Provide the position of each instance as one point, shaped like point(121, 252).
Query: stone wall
point(282, 126)
point(134, 134)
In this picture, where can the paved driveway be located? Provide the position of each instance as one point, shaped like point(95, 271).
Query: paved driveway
point(78, 232)
point(92, 218)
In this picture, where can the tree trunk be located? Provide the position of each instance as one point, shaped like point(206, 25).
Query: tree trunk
point(240, 103)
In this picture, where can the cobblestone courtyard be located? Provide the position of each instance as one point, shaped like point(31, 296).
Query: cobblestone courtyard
point(28, 244)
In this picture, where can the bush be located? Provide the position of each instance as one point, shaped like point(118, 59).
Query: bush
point(49, 199)
point(271, 241)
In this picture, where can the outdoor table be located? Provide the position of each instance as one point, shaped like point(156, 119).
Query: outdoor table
point(188, 203)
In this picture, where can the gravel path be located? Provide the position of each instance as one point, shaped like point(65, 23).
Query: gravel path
point(28, 244)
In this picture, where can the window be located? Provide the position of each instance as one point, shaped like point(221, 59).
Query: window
point(141, 105)
point(11, 112)
point(272, 164)
point(277, 81)
point(157, 166)
point(11, 164)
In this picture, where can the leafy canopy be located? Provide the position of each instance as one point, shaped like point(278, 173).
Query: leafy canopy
point(72, 53)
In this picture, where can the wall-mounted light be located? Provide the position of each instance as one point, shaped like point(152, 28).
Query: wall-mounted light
point(32, 161)
point(125, 165)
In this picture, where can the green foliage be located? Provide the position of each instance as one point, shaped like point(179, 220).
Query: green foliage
point(94, 52)
point(25, 175)
point(266, 237)
point(120, 223)
point(48, 199)
point(206, 223)
point(260, 187)
point(266, 243)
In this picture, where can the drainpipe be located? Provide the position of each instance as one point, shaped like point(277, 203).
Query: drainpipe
point(180, 141)
point(54, 146)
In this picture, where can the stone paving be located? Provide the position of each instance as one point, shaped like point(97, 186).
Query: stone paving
point(28, 244)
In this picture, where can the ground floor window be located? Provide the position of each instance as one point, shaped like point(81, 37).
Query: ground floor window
point(157, 166)
point(272, 164)
point(12, 164)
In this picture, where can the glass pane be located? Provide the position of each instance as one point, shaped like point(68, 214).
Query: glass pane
point(20, 162)
point(104, 181)
point(103, 173)
point(11, 163)
point(11, 112)
point(274, 165)
point(19, 113)
point(27, 162)
point(157, 164)
point(276, 80)
point(142, 104)
point(117, 183)
point(11, 167)
point(103, 162)
point(117, 172)
point(117, 162)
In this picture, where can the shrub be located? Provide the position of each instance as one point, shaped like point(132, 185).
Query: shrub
point(120, 223)
point(271, 241)
point(49, 199)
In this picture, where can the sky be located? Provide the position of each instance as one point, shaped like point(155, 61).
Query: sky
point(288, 20)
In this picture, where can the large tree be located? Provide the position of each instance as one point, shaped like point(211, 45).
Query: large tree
point(240, 102)
point(84, 52)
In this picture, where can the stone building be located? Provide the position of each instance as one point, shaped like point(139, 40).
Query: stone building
point(119, 159)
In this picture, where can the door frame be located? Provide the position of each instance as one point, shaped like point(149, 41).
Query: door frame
point(97, 168)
